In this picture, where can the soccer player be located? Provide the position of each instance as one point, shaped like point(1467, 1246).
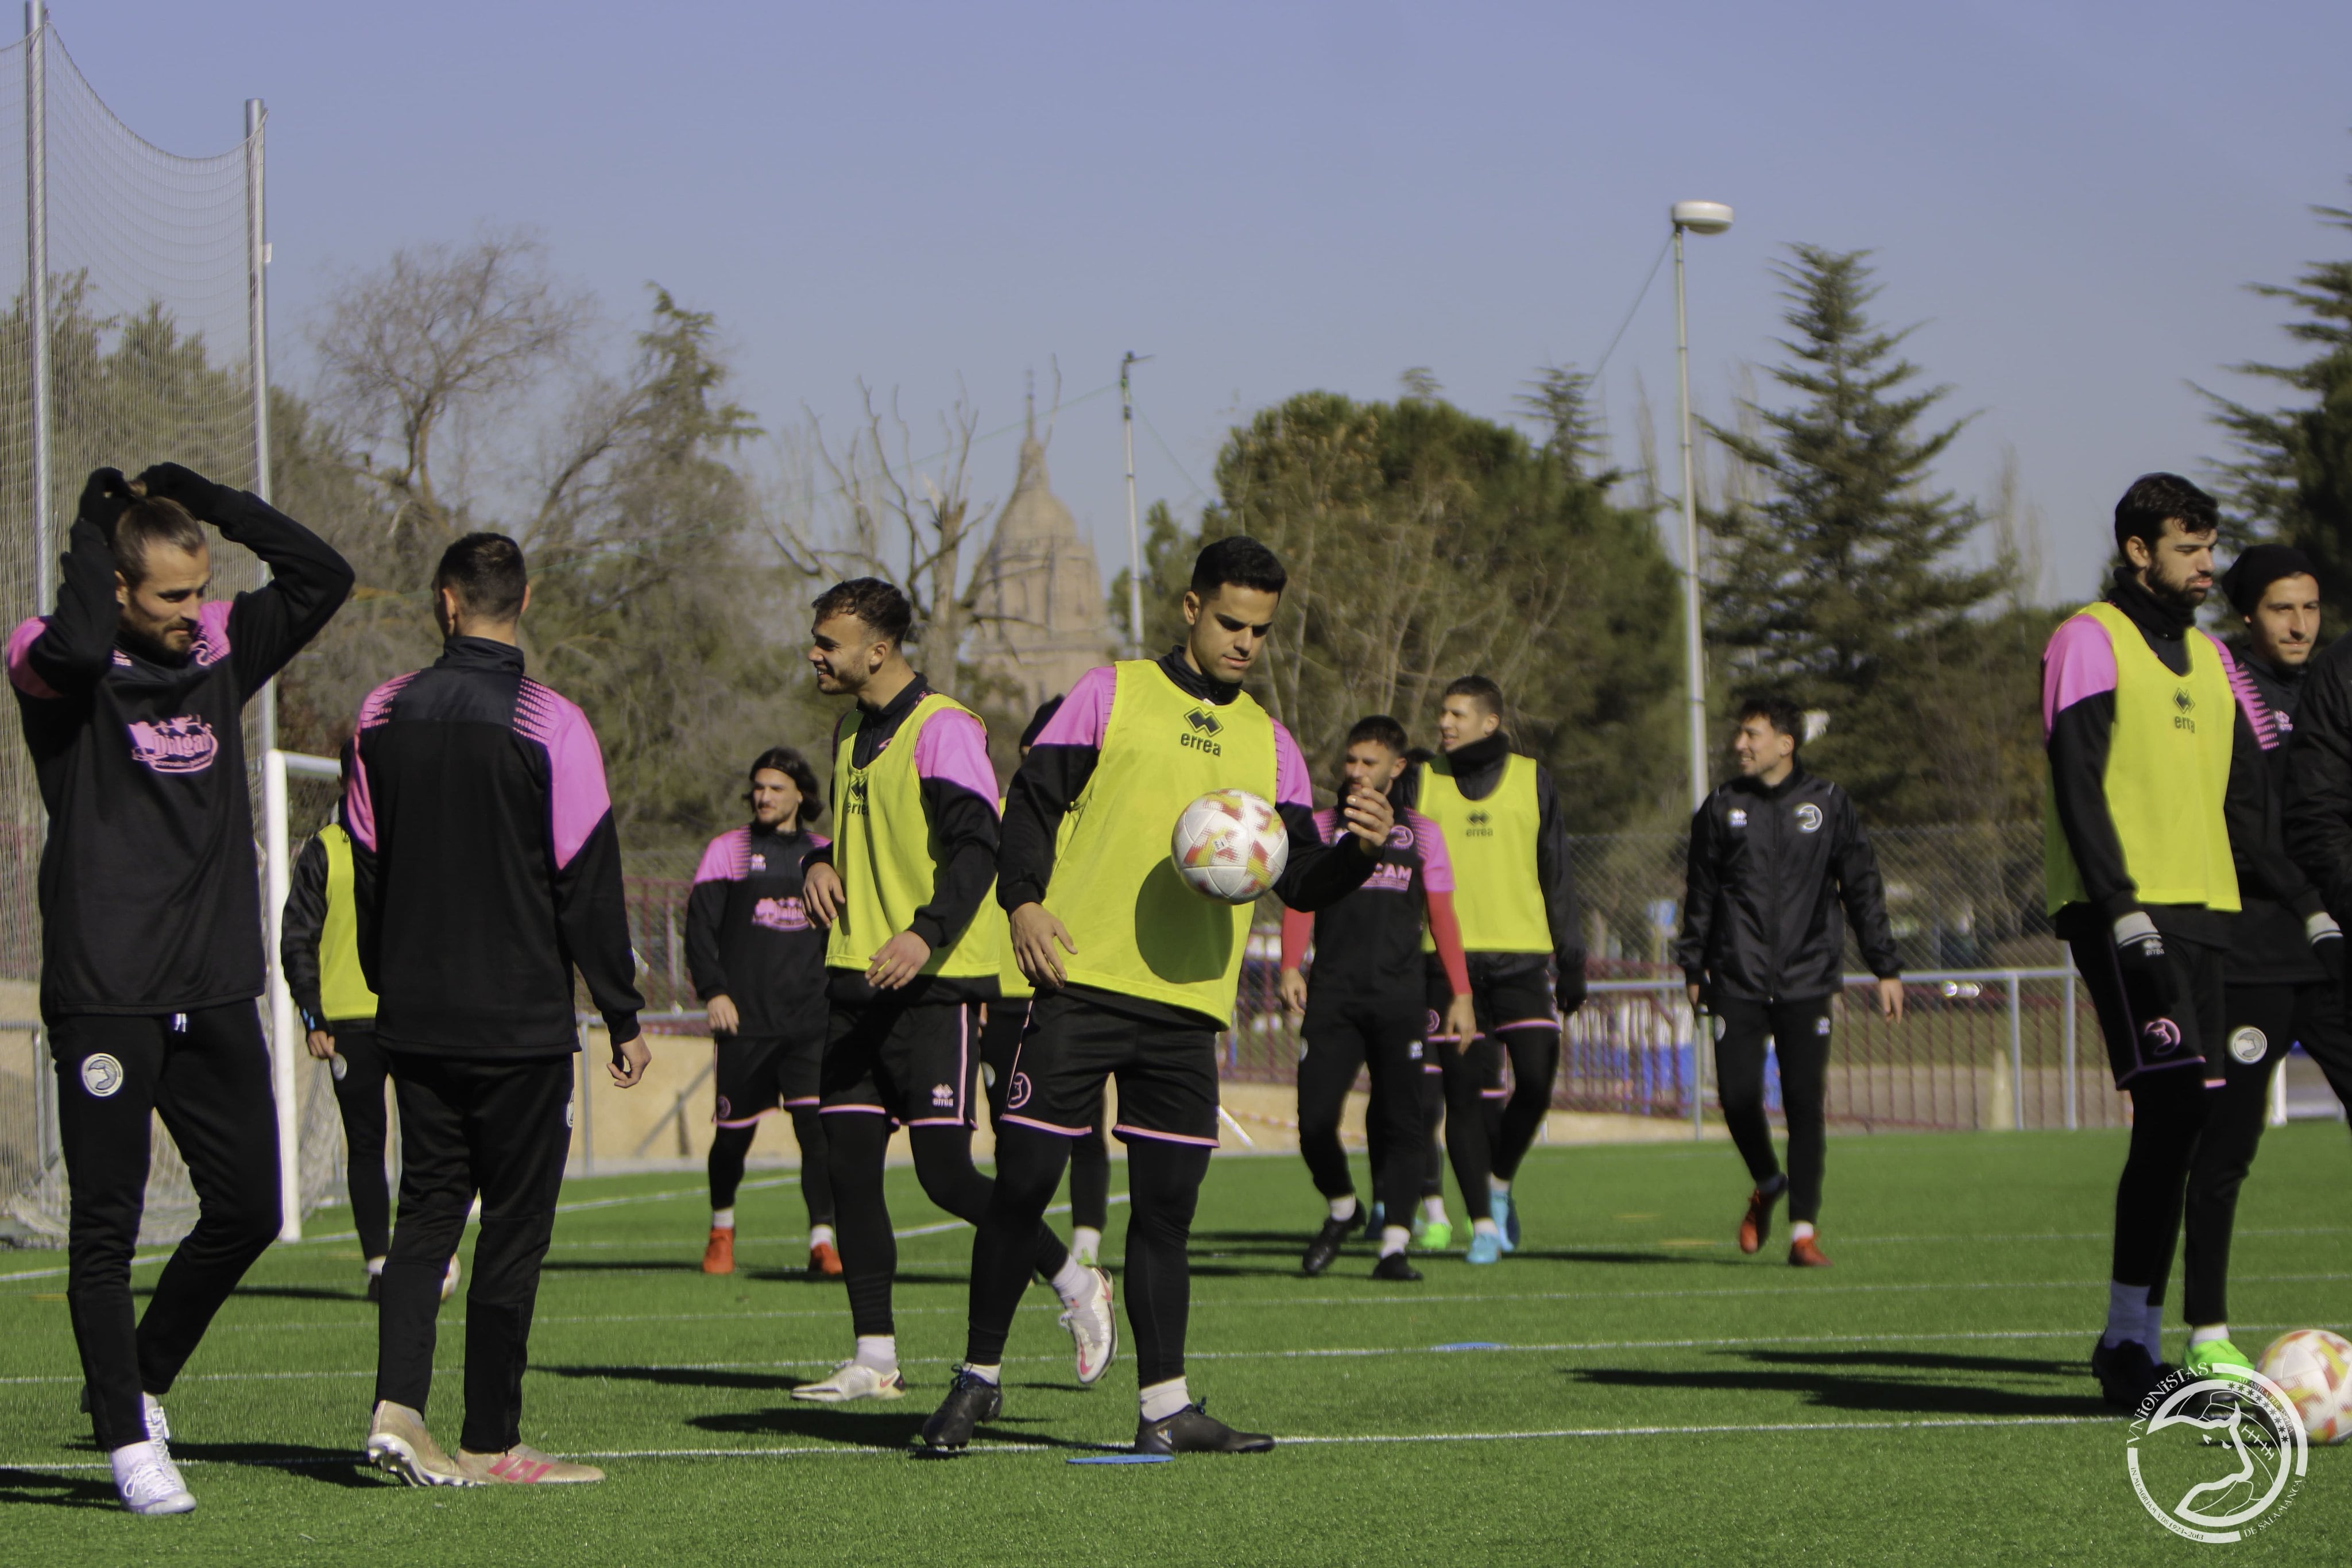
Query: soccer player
point(132, 693)
point(1517, 900)
point(913, 857)
point(1136, 972)
point(1000, 1039)
point(1364, 1006)
point(488, 868)
point(758, 963)
point(319, 950)
point(2156, 806)
point(1773, 854)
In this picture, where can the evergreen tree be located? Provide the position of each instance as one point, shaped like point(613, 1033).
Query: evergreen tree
point(2292, 476)
point(1836, 585)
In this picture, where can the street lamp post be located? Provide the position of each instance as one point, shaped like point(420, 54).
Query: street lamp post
point(1702, 218)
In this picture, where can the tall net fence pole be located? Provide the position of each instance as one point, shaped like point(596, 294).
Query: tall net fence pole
point(36, 294)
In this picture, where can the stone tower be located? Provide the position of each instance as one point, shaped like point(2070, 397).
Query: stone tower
point(1041, 598)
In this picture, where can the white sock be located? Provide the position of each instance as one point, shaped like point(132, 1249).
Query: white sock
point(1434, 1211)
point(1086, 1242)
point(2127, 1313)
point(992, 1376)
point(723, 1218)
point(1344, 1207)
point(376, 1265)
point(1497, 1184)
point(821, 1235)
point(878, 1351)
point(1484, 1227)
point(1394, 1239)
point(2207, 1333)
point(1073, 1282)
point(2155, 1334)
point(1802, 1231)
point(1162, 1400)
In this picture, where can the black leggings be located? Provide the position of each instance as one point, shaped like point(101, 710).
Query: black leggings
point(1340, 1041)
point(1535, 1066)
point(1469, 1068)
point(359, 1098)
point(1800, 1032)
point(207, 1075)
point(1429, 1094)
point(856, 1144)
point(729, 1145)
point(1163, 1185)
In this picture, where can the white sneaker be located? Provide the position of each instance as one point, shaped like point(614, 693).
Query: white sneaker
point(449, 1279)
point(1085, 1246)
point(853, 1380)
point(147, 1480)
point(1093, 1327)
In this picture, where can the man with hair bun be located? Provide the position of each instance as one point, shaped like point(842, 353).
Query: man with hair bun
point(758, 963)
point(132, 691)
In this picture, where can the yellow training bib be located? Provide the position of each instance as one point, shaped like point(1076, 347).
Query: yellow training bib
point(342, 984)
point(1493, 845)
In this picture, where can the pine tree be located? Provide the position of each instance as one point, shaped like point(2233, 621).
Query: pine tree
point(2293, 476)
point(1837, 586)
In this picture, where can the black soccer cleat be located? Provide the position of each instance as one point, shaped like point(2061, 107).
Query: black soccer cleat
point(1396, 1266)
point(971, 1401)
point(2127, 1373)
point(1326, 1245)
point(1192, 1430)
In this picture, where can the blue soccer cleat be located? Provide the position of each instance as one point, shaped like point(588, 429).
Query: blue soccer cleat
point(1506, 1217)
point(1485, 1247)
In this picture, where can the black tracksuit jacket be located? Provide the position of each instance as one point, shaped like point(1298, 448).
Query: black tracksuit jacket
point(486, 861)
point(2268, 945)
point(1769, 869)
point(149, 898)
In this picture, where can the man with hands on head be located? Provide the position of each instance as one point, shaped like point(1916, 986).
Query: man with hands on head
point(132, 692)
point(908, 967)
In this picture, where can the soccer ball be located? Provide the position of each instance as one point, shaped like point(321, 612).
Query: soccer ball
point(1229, 845)
point(2315, 1368)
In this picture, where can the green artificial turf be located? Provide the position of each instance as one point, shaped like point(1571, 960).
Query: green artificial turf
point(1655, 1397)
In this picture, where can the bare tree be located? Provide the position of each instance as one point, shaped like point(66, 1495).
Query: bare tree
point(439, 335)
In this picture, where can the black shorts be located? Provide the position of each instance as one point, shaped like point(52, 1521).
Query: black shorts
point(1515, 994)
point(1166, 1073)
point(2136, 1046)
point(917, 1064)
point(1000, 1043)
point(757, 1073)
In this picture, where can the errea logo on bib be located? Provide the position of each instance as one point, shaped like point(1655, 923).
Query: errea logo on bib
point(1202, 727)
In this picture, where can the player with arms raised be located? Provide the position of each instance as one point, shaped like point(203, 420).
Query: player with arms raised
point(1135, 972)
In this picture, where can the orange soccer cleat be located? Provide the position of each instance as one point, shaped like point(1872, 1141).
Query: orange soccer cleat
point(824, 1263)
point(1757, 1223)
point(1805, 1252)
point(719, 1257)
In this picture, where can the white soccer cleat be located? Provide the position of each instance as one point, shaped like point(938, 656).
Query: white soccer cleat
point(148, 1482)
point(1093, 1327)
point(524, 1466)
point(398, 1445)
point(449, 1279)
point(853, 1380)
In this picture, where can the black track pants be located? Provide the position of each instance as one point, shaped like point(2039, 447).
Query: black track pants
point(500, 1130)
point(358, 1100)
point(207, 1075)
point(1800, 1032)
point(1338, 1041)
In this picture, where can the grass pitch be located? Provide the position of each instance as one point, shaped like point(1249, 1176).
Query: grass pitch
point(1647, 1394)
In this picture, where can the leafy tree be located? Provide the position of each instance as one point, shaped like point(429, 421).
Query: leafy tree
point(2292, 475)
point(1835, 579)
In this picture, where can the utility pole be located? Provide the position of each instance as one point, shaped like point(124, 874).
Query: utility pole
point(1134, 534)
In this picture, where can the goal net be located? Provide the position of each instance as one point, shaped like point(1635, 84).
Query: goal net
point(133, 335)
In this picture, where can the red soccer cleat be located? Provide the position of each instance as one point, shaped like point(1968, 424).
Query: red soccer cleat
point(1806, 1253)
point(719, 1257)
point(824, 1263)
point(1757, 1223)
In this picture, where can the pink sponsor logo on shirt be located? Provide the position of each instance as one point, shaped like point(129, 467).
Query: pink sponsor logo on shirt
point(780, 915)
point(182, 744)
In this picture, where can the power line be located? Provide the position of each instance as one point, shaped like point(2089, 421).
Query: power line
point(1636, 306)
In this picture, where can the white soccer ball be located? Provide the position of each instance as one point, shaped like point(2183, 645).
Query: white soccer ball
point(2315, 1368)
point(1229, 845)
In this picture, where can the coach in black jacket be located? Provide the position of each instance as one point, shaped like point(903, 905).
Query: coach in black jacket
point(1773, 854)
point(487, 869)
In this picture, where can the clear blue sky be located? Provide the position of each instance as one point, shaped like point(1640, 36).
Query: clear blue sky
point(1274, 197)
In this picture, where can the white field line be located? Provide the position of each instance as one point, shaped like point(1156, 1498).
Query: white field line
point(1365, 1439)
point(1300, 1354)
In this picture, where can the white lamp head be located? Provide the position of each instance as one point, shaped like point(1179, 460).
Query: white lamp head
point(1702, 217)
